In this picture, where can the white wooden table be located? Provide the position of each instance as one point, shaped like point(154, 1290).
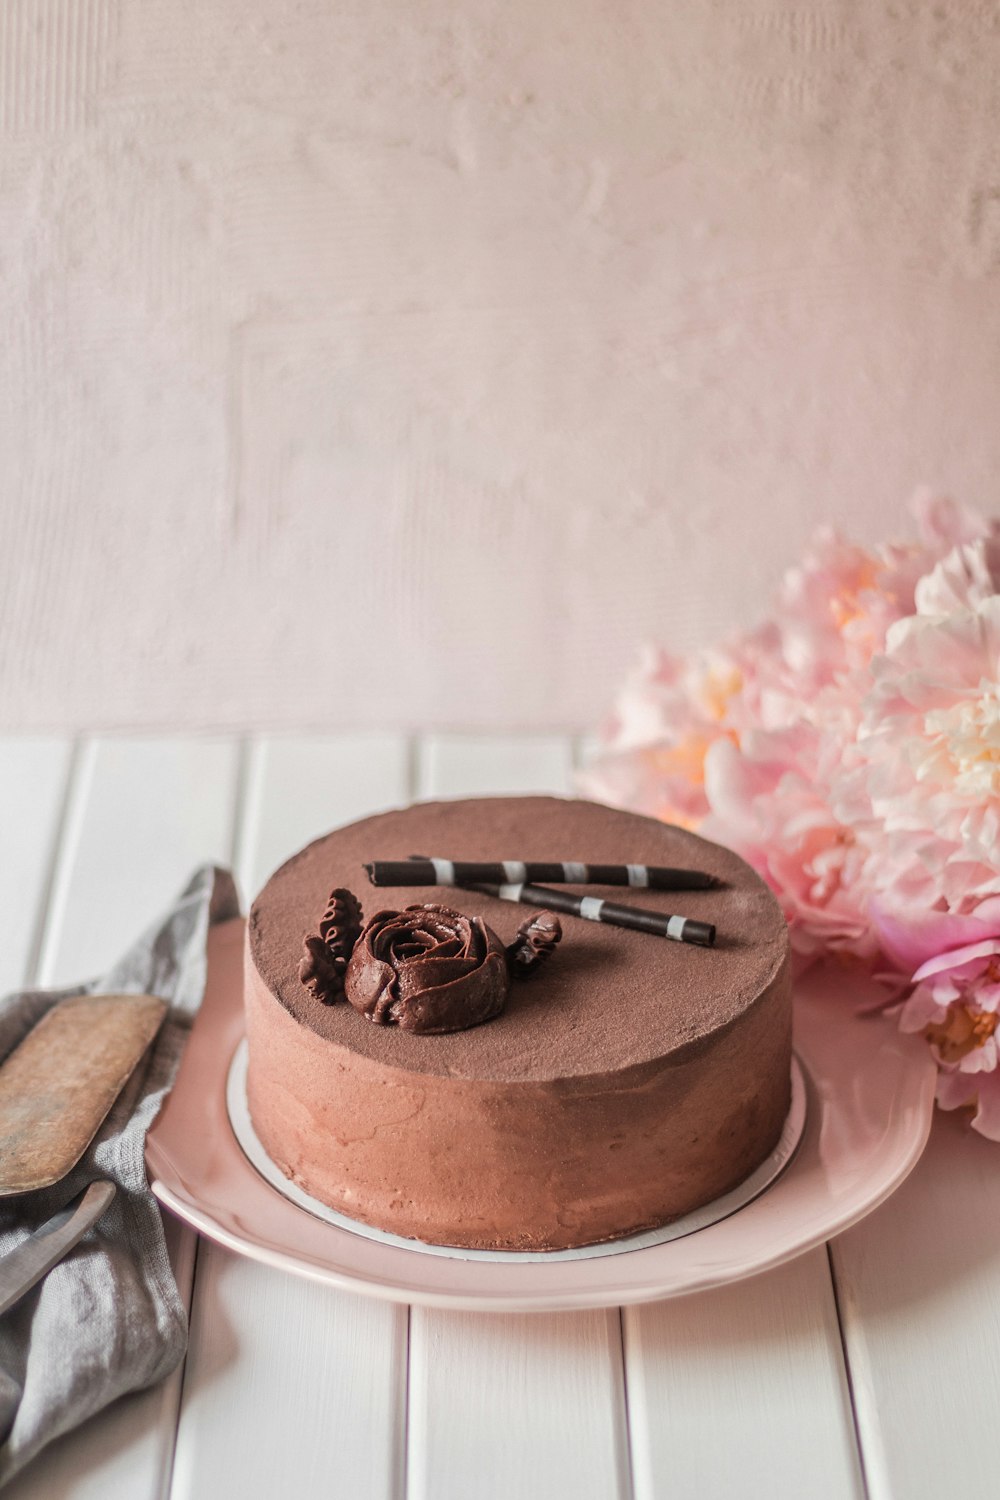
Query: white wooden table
point(872, 1365)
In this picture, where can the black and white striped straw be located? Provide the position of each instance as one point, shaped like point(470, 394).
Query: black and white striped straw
point(592, 909)
point(425, 871)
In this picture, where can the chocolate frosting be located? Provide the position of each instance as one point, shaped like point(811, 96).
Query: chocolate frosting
point(427, 969)
point(611, 998)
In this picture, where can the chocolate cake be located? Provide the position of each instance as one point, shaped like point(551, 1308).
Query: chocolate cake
point(628, 1081)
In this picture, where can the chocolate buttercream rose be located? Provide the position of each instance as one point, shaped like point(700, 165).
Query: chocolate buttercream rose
point(427, 969)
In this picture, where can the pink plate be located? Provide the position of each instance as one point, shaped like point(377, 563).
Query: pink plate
point(870, 1099)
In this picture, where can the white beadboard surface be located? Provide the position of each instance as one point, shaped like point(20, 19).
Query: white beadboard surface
point(33, 775)
point(298, 789)
point(141, 814)
point(291, 1388)
point(919, 1288)
point(759, 1362)
point(800, 1382)
point(508, 1404)
point(474, 765)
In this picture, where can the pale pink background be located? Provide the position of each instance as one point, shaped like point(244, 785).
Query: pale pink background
point(402, 362)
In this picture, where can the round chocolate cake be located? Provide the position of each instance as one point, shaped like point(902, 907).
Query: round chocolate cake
point(627, 1081)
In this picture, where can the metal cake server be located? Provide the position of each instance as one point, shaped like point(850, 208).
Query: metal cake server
point(29, 1261)
point(56, 1088)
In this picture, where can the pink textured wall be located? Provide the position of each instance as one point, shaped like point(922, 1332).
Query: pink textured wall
point(402, 362)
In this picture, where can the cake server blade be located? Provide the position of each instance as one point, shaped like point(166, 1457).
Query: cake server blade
point(34, 1257)
point(59, 1083)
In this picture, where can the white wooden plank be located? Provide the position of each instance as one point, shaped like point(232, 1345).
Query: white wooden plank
point(300, 788)
point(919, 1290)
point(472, 765)
point(519, 1405)
point(32, 793)
point(586, 749)
point(291, 1387)
point(142, 814)
point(742, 1391)
point(516, 1405)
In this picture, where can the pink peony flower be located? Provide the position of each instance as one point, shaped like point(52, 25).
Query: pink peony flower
point(667, 716)
point(955, 1000)
point(767, 801)
point(929, 741)
point(849, 748)
point(757, 740)
point(964, 579)
point(834, 610)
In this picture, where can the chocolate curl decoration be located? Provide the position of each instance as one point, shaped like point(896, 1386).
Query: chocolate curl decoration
point(536, 939)
point(341, 923)
point(328, 952)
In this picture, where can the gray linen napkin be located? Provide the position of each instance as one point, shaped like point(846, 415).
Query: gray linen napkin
point(108, 1318)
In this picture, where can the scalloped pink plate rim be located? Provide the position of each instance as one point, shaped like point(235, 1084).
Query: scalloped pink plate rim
point(870, 1103)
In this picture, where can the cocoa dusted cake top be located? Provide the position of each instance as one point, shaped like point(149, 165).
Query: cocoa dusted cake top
point(612, 999)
